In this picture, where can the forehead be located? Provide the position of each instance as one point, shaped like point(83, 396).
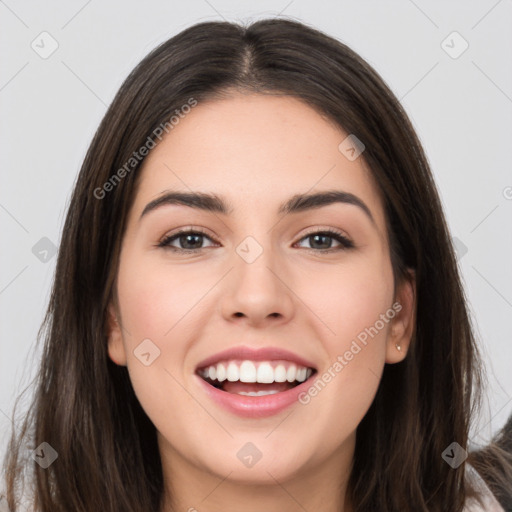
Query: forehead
point(257, 150)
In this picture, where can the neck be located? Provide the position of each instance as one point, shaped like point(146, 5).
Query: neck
point(196, 489)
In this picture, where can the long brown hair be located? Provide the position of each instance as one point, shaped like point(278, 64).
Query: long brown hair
point(84, 405)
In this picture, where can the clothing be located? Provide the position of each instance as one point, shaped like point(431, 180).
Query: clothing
point(491, 504)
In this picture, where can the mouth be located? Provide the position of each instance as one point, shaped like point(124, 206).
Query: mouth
point(255, 383)
point(255, 378)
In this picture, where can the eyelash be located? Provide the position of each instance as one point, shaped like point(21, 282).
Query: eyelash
point(338, 236)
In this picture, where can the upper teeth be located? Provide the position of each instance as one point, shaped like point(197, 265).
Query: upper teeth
point(263, 372)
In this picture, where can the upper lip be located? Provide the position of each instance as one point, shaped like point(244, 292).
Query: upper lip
point(255, 354)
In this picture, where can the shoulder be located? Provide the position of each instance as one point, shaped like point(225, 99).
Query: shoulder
point(489, 502)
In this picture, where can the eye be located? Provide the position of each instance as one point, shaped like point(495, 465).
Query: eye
point(321, 241)
point(191, 241)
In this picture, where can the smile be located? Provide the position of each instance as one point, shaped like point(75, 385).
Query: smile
point(255, 387)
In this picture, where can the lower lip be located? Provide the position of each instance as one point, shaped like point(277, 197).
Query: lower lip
point(255, 406)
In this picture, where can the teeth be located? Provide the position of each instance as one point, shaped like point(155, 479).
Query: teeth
point(263, 372)
point(221, 372)
point(247, 372)
point(280, 373)
point(301, 374)
point(232, 373)
point(258, 393)
point(291, 373)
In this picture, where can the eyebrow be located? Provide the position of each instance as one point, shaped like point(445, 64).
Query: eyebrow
point(297, 203)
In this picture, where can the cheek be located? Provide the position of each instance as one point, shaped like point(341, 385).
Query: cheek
point(355, 302)
point(350, 298)
point(154, 302)
point(155, 298)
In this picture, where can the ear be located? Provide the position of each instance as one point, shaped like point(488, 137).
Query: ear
point(116, 349)
point(402, 325)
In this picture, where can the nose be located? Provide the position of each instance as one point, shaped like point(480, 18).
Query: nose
point(258, 293)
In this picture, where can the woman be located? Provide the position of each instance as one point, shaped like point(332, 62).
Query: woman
point(198, 355)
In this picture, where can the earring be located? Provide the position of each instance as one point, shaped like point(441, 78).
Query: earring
point(398, 347)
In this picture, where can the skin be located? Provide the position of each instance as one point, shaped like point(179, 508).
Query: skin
point(256, 151)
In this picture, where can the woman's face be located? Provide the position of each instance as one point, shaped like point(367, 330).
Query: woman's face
point(258, 282)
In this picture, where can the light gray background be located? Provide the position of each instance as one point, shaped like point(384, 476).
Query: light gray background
point(461, 108)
